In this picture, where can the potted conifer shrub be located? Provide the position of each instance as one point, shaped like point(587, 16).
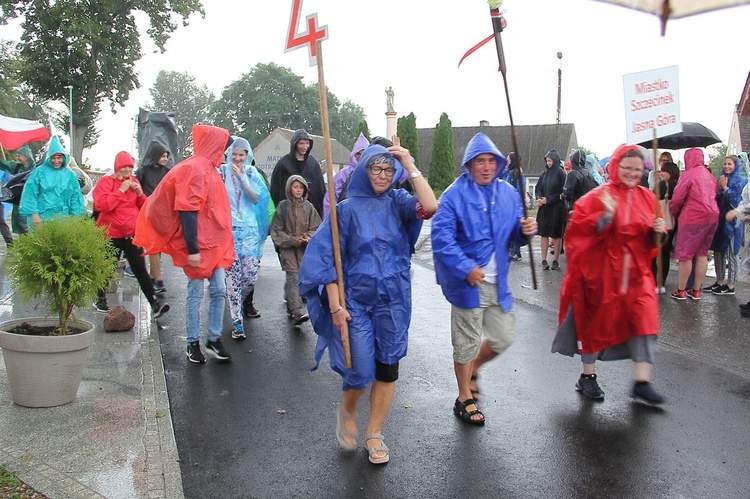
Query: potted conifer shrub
point(62, 263)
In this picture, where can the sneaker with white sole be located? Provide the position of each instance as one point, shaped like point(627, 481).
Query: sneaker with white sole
point(693, 294)
point(128, 272)
point(679, 294)
point(216, 350)
point(100, 305)
point(194, 353)
point(588, 386)
point(723, 290)
point(160, 308)
point(238, 331)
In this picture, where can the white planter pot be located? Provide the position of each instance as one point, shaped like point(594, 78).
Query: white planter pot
point(45, 371)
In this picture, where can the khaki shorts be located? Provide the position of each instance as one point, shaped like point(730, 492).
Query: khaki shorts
point(468, 325)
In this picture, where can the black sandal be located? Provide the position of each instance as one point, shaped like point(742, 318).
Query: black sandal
point(459, 409)
point(476, 394)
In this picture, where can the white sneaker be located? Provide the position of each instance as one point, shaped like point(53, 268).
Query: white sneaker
point(663, 290)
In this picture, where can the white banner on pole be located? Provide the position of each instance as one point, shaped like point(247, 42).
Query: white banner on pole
point(652, 103)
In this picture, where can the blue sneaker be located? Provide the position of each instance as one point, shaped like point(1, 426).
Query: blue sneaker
point(238, 331)
point(128, 272)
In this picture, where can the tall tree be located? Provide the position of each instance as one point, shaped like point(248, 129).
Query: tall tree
point(363, 129)
point(92, 46)
point(442, 170)
point(406, 129)
point(271, 96)
point(178, 92)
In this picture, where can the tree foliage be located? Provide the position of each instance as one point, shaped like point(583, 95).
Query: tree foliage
point(406, 129)
point(363, 129)
point(442, 169)
point(178, 92)
point(92, 46)
point(716, 158)
point(15, 99)
point(271, 96)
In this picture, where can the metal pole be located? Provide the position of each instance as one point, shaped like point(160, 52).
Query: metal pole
point(70, 113)
point(559, 86)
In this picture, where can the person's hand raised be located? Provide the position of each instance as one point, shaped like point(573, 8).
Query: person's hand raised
point(609, 203)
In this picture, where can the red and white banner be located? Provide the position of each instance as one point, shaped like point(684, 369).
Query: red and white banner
point(16, 132)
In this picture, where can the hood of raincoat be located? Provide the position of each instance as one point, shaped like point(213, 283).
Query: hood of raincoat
point(743, 158)
point(123, 160)
point(514, 160)
point(153, 154)
point(210, 143)
point(694, 159)
point(555, 156)
point(648, 162)
point(240, 143)
point(578, 160)
point(298, 135)
point(614, 162)
point(26, 152)
point(360, 184)
point(288, 188)
point(359, 145)
point(590, 162)
point(55, 147)
point(481, 144)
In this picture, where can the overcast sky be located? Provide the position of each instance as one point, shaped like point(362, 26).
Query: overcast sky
point(415, 45)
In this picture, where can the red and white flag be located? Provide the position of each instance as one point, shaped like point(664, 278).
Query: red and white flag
point(16, 132)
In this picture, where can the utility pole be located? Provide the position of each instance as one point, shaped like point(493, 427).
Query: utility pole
point(559, 86)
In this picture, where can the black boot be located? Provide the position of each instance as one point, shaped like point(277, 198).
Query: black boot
point(247, 306)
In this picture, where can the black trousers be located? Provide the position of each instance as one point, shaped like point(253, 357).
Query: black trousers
point(134, 256)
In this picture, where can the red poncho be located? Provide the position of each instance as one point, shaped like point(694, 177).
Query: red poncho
point(608, 279)
point(192, 185)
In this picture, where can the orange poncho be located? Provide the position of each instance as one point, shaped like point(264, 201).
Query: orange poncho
point(192, 185)
point(608, 280)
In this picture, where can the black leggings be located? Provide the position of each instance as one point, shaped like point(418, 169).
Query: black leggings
point(134, 256)
point(4, 229)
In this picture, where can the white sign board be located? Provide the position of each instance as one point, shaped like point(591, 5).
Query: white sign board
point(652, 103)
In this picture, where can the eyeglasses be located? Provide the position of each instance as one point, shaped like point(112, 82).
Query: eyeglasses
point(639, 171)
point(376, 171)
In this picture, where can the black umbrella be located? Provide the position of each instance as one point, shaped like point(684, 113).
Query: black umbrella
point(692, 135)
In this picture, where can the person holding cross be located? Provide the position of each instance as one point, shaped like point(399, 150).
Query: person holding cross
point(377, 227)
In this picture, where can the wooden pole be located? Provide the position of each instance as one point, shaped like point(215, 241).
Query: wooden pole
point(331, 194)
point(657, 210)
point(497, 28)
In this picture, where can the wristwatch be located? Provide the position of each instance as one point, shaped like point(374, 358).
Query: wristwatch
point(415, 174)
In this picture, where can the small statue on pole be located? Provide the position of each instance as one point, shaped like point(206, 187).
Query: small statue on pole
point(389, 99)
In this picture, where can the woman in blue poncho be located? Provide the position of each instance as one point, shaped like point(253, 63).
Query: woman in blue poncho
point(249, 200)
point(377, 227)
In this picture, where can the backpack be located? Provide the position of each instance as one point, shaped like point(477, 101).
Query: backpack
point(587, 182)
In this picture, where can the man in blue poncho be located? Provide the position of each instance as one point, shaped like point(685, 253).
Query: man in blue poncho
point(52, 189)
point(377, 227)
point(480, 215)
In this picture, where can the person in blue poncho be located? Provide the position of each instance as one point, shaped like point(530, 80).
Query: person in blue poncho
point(24, 163)
point(479, 216)
point(52, 189)
point(728, 237)
point(377, 227)
point(248, 199)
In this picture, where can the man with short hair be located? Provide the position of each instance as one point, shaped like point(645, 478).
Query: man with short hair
point(299, 161)
point(479, 216)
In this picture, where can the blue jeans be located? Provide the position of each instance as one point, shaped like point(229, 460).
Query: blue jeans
point(218, 292)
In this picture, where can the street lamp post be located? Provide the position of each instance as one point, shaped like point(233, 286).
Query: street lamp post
point(559, 86)
point(70, 113)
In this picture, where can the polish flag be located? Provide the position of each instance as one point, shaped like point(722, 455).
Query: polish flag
point(16, 132)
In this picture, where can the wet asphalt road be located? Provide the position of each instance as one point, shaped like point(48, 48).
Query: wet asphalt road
point(263, 424)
